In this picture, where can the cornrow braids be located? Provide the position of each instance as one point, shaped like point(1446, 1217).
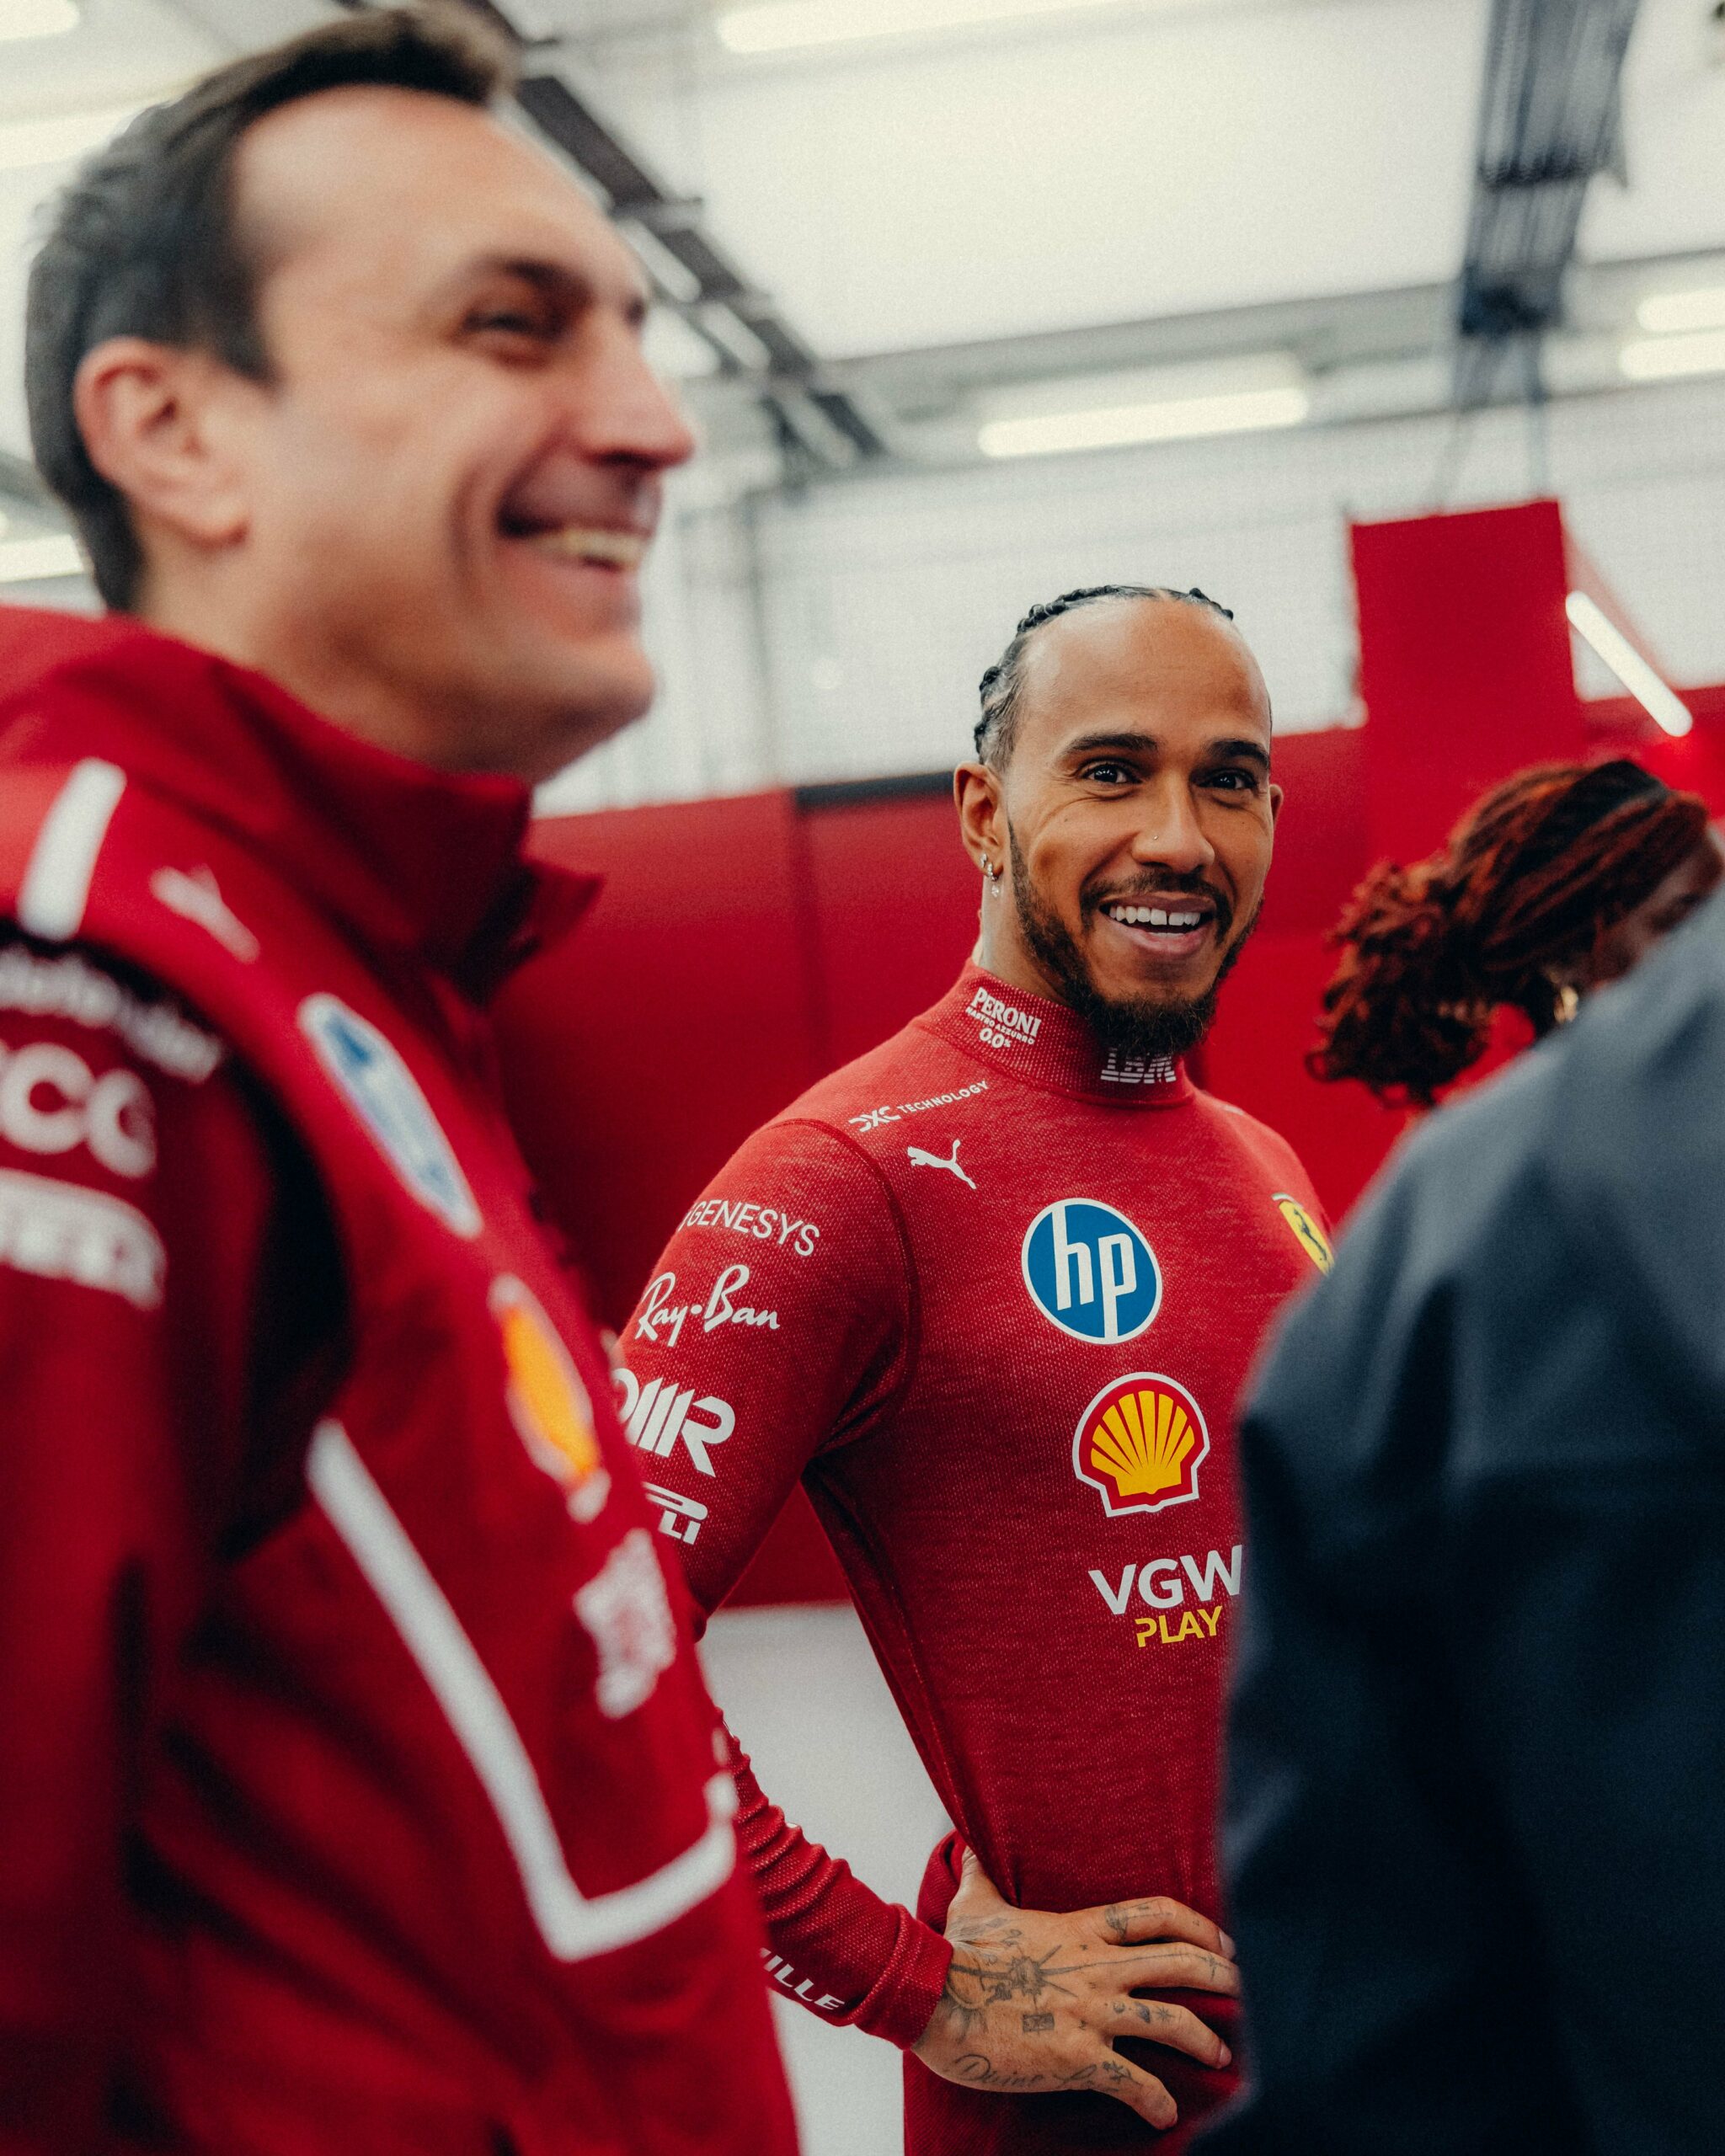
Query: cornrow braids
point(1529, 880)
point(997, 728)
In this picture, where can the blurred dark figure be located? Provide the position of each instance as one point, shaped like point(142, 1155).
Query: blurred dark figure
point(1553, 884)
point(1477, 1811)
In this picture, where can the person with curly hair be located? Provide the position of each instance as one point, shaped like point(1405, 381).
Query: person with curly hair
point(1555, 882)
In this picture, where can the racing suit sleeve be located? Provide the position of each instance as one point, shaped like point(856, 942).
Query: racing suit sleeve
point(135, 1205)
point(778, 1324)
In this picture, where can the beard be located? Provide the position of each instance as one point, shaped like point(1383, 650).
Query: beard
point(1146, 1025)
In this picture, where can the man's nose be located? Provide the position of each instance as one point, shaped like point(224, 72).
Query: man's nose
point(623, 412)
point(1169, 834)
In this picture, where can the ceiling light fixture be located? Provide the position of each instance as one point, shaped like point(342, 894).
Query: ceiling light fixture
point(782, 26)
point(1667, 359)
point(1665, 313)
point(1608, 642)
point(32, 561)
point(1169, 419)
point(21, 18)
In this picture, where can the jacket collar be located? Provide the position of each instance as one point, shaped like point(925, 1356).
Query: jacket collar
point(415, 863)
point(1048, 1045)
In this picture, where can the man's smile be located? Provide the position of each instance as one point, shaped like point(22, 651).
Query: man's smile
point(591, 544)
point(1167, 928)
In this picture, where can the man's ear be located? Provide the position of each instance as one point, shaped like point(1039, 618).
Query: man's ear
point(976, 794)
point(1277, 798)
point(151, 419)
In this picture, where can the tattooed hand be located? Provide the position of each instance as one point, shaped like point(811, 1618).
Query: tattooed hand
point(1033, 2001)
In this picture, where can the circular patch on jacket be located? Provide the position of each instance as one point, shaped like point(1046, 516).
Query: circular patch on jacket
point(1090, 1272)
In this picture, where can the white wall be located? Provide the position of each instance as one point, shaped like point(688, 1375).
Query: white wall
point(802, 1691)
point(840, 633)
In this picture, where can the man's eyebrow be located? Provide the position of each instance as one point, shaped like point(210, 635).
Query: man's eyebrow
point(1243, 745)
point(1132, 742)
point(557, 281)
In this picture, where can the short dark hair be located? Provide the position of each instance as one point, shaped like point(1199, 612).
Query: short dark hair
point(144, 241)
point(998, 726)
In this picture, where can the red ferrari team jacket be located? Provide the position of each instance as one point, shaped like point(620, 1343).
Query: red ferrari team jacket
point(991, 1293)
point(357, 1787)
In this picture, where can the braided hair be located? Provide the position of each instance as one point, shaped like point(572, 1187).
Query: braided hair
point(1531, 877)
point(998, 726)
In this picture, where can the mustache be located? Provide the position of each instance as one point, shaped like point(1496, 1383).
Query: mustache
point(1158, 890)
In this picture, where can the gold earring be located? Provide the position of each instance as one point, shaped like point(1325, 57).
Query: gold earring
point(1568, 1001)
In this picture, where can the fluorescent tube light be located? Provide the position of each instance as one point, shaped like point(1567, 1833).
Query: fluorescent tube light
point(1626, 662)
point(782, 26)
point(20, 19)
point(31, 561)
point(1665, 358)
point(1170, 419)
point(58, 140)
point(1666, 313)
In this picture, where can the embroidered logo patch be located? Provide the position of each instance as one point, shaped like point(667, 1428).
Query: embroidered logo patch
point(627, 1613)
point(368, 1070)
point(60, 1232)
point(547, 1402)
point(1090, 1272)
point(1311, 1237)
point(1140, 1443)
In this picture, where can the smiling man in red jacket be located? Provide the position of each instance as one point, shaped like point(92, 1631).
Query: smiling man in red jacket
point(360, 1789)
point(991, 1292)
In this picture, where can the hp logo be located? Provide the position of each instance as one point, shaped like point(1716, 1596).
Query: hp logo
point(1090, 1272)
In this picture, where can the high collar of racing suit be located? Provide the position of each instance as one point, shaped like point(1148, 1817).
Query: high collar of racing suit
point(1048, 1045)
point(417, 864)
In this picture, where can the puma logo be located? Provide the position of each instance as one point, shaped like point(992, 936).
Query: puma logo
point(919, 1159)
point(197, 898)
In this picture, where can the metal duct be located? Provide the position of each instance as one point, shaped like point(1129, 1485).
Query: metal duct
point(1549, 121)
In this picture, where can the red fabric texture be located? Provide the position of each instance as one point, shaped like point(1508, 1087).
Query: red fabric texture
point(851, 1303)
point(256, 1894)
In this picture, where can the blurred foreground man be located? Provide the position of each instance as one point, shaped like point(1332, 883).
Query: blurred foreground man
point(359, 1789)
point(991, 1292)
point(1477, 1827)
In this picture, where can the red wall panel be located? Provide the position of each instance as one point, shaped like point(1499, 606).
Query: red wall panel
point(1465, 664)
point(1321, 844)
point(893, 897)
point(678, 1018)
point(1255, 1057)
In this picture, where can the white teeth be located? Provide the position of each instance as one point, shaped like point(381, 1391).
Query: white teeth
point(1154, 917)
point(622, 550)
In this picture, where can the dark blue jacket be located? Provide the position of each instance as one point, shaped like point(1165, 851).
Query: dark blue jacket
point(1477, 1813)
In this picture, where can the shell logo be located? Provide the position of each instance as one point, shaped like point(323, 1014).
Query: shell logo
point(1311, 1237)
point(547, 1402)
point(1141, 1443)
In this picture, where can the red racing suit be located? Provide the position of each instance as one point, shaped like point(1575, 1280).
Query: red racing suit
point(359, 1790)
point(991, 1295)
